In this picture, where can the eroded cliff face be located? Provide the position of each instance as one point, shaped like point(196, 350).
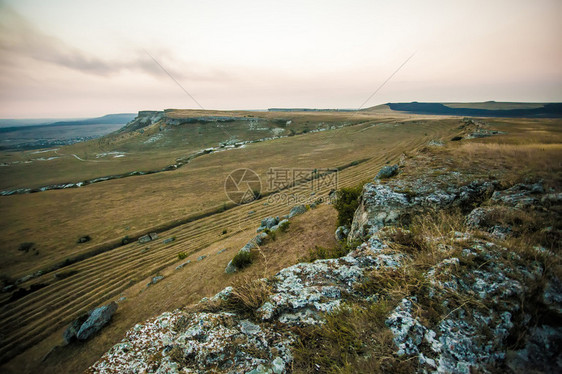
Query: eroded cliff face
point(444, 251)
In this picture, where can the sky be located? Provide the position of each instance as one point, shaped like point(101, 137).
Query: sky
point(75, 58)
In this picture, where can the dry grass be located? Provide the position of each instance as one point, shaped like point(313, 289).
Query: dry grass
point(179, 288)
point(109, 208)
point(353, 339)
point(113, 209)
point(248, 294)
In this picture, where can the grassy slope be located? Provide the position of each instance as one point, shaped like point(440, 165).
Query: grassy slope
point(127, 268)
point(495, 105)
point(114, 209)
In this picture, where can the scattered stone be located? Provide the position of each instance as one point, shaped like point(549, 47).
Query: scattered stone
point(296, 210)
point(230, 268)
point(169, 240)
point(221, 251)
point(180, 266)
point(84, 239)
point(144, 239)
point(201, 258)
point(155, 280)
point(268, 223)
point(477, 294)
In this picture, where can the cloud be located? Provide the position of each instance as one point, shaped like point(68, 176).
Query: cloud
point(21, 40)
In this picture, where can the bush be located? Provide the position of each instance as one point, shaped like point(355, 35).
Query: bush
point(284, 227)
point(224, 231)
point(26, 246)
point(182, 255)
point(347, 201)
point(243, 259)
point(271, 235)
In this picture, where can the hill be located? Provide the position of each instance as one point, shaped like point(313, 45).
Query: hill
point(485, 109)
point(154, 242)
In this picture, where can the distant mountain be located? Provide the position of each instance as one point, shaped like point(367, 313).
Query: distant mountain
point(109, 119)
point(486, 109)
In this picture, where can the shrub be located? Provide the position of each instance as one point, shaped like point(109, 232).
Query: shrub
point(26, 246)
point(84, 239)
point(182, 255)
point(284, 227)
point(347, 201)
point(243, 259)
point(125, 240)
point(271, 235)
point(224, 231)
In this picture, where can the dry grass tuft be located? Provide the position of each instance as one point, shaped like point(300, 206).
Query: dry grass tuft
point(247, 295)
point(354, 339)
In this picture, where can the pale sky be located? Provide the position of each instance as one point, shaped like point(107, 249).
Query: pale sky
point(64, 58)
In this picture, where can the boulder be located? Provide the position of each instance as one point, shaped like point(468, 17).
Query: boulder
point(98, 318)
point(144, 239)
point(395, 203)
point(387, 172)
point(296, 210)
point(230, 268)
point(69, 335)
point(268, 223)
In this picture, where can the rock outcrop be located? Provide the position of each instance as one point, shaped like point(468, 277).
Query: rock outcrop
point(467, 303)
point(398, 200)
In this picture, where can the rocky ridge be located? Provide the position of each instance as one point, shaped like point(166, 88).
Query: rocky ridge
point(481, 304)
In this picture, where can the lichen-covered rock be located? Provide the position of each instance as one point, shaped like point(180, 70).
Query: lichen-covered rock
point(519, 196)
point(464, 309)
point(198, 343)
point(542, 352)
point(463, 342)
point(302, 292)
point(395, 202)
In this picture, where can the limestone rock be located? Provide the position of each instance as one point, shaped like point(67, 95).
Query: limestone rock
point(387, 172)
point(98, 318)
point(296, 210)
